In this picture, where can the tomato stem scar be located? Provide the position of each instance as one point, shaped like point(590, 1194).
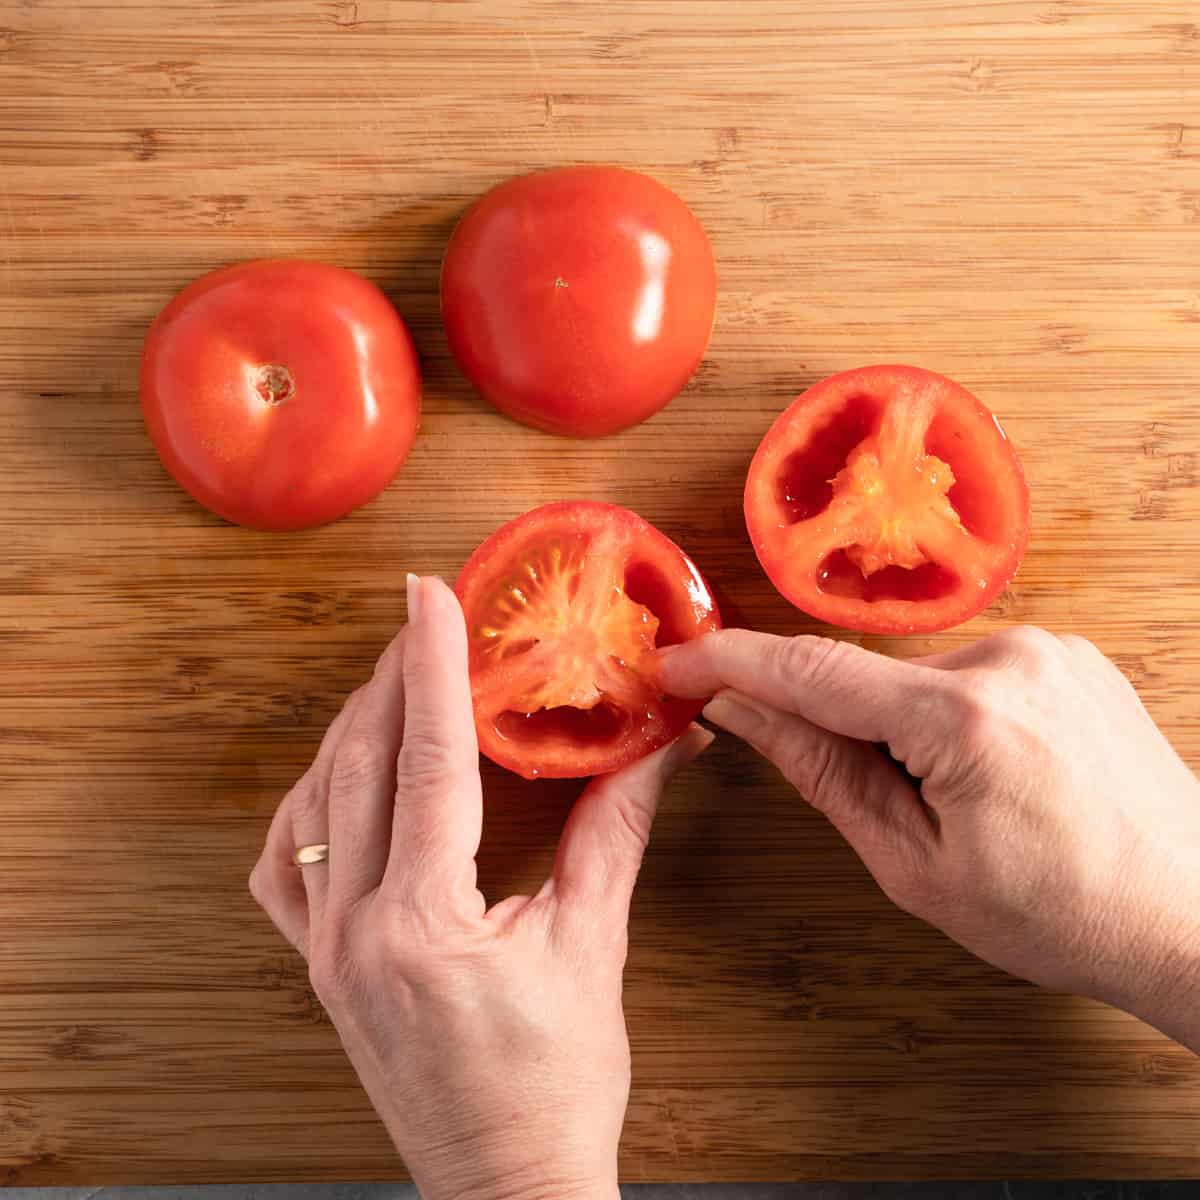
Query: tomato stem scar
point(275, 384)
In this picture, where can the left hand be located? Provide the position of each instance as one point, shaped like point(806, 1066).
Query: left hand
point(491, 1041)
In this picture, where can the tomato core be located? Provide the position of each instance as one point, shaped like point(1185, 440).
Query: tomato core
point(274, 384)
point(556, 612)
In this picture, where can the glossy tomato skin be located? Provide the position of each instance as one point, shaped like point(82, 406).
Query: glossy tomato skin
point(564, 608)
point(281, 394)
point(888, 500)
point(579, 300)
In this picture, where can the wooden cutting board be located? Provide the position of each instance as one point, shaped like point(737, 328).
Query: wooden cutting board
point(1007, 192)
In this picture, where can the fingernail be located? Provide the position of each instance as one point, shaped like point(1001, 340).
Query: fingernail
point(414, 597)
point(730, 711)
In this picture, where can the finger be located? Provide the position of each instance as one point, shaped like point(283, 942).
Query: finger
point(307, 805)
point(439, 804)
point(836, 685)
point(601, 848)
point(362, 788)
point(276, 884)
point(875, 808)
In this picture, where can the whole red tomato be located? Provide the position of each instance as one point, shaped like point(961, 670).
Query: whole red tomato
point(579, 300)
point(281, 394)
point(888, 499)
point(564, 607)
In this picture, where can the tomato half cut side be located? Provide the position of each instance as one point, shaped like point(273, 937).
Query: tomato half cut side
point(888, 500)
point(563, 607)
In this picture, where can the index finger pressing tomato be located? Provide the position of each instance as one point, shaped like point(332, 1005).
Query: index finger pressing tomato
point(564, 607)
point(889, 500)
point(281, 394)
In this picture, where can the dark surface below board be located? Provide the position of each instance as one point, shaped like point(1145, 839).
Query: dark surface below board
point(1075, 1190)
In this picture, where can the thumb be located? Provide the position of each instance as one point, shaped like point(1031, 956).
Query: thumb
point(601, 848)
point(874, 807)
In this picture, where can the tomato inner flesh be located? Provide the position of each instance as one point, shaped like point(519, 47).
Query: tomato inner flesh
point(889, 510)
point(564, 634)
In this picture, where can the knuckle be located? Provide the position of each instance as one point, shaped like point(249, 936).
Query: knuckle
point(978, 704)
point(305, 801)
point(812, 658)
point(971, 705)
point(324, 974)
point(258, 884)
point(984, 710)
point(406, 948)
point(351, 702)
point(1083, 651)
point(1034, 648)
point(812, 769)
point(329, 961)
point(633, 820)
point(357, 761)
point(427, 760)
point(424, 950)
point(1073, 641)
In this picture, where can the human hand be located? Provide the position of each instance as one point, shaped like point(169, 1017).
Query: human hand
point(491, 1041)
point(1044, 821)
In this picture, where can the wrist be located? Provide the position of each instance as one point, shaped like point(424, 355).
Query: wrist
point(549, 1190)
point(1170, 999)
point(478, 1175)
point(549, 1185)
point(1162, 987)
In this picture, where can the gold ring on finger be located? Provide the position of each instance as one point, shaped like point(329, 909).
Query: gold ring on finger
point(305, 856)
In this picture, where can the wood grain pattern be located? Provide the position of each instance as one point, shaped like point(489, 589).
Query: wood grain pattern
point(1006, 191)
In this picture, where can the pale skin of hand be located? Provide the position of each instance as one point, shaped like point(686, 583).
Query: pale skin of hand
point(491, 1042)
point(1041, 820)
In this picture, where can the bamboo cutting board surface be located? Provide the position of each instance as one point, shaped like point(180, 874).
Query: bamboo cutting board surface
point(1008, 192)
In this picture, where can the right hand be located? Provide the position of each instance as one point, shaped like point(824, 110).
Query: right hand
point(1041, 820)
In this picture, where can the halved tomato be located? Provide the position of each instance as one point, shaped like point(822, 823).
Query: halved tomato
point(889, 500)
point(563, 606)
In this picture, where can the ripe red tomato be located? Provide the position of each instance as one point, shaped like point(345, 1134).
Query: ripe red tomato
point(579, 300)
point(888, 500)
point(281, 394)
point(563, 605)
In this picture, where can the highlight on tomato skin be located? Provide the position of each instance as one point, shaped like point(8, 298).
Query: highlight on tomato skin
point(888, 500)
point(564, 607)
point(280, 393)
